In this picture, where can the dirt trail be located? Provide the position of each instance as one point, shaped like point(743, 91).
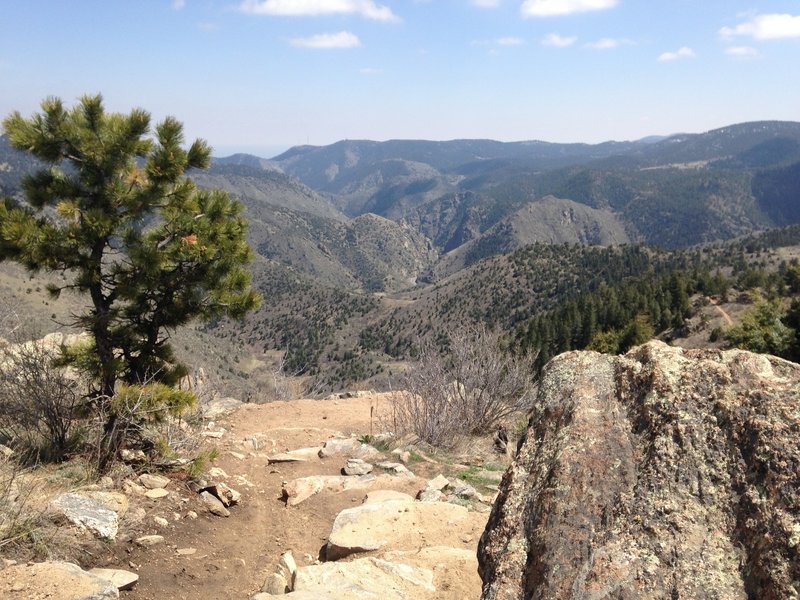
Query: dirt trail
point(232, 556)
point(724, 314)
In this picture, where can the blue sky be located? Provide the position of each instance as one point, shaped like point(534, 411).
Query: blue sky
point(262, 75)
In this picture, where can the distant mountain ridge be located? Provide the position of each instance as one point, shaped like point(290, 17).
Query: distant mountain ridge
point(456, 202)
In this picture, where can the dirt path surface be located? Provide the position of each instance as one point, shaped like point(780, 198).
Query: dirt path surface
point(724, 314)
point(230, 557)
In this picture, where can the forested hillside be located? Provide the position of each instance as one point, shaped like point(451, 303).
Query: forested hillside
point(366, 249)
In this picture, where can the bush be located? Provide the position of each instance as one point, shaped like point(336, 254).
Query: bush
point(21, 516)
point(469, 390)
point(38, 403)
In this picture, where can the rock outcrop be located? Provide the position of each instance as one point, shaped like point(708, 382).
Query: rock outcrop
point(664, 473)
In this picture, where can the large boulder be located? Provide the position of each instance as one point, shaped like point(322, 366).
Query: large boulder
point(664, 473)
point(397, 523)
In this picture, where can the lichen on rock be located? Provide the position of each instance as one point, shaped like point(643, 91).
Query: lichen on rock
point(664, 473)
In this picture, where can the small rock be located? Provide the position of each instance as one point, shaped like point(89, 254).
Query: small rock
point(135, 515)
point(133, 489)
point(220, 406)
point(275, 584)
point(395, 468)
point(191, 514)
point(153, 482)
point(150, 540)
point(356, 466)
point(132, 456)
point(464, 490)
point(121, 579)
point(438, 483)
point(237, 455)
point(227, 495)
point(198, 485)
point(287, 561)
point(213, 434)
point(161, 521)
point(404, 456)
point(214, 505)
point(156, 493)
point(430, 495)
point(217, 473)
point(338, 446)
point(186, 551)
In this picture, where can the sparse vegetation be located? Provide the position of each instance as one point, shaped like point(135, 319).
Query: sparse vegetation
point(39, 403)
point(470, 389)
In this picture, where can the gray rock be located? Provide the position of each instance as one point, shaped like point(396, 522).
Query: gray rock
point(356, 466)
point(225, 494)
point(404, 456)
point(88, 513)
point(275, 584)
point(288, 562)
point(366, 452)
point(463, 490)
point(438, 483)
point(122, 580)
point(153, 482)
point(149, 540)
point(214, 505)
point(430, 495)
point(396, 468)
point(156, 493)
point(339, 446)
point(220, 406)
point(133, 456)
point(657, 474)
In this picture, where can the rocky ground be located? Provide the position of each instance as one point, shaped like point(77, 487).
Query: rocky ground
point(280, 471)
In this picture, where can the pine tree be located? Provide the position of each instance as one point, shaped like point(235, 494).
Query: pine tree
point(114, 212)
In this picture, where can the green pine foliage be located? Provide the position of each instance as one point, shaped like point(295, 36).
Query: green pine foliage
point(762, 329)
point(114, 210)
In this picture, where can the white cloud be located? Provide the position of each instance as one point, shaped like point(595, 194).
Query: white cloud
point(178, 4)
point(559, 41)
point(486, 3)
point(684, 52)
point(742, 52)
point(555, 8)
point(766, 27)
point(509, 41)
point(325, 41)
point(207, 27)
point(316, 8)
point(608, 43)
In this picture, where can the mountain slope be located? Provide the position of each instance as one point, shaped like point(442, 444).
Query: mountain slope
point(549, 220)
